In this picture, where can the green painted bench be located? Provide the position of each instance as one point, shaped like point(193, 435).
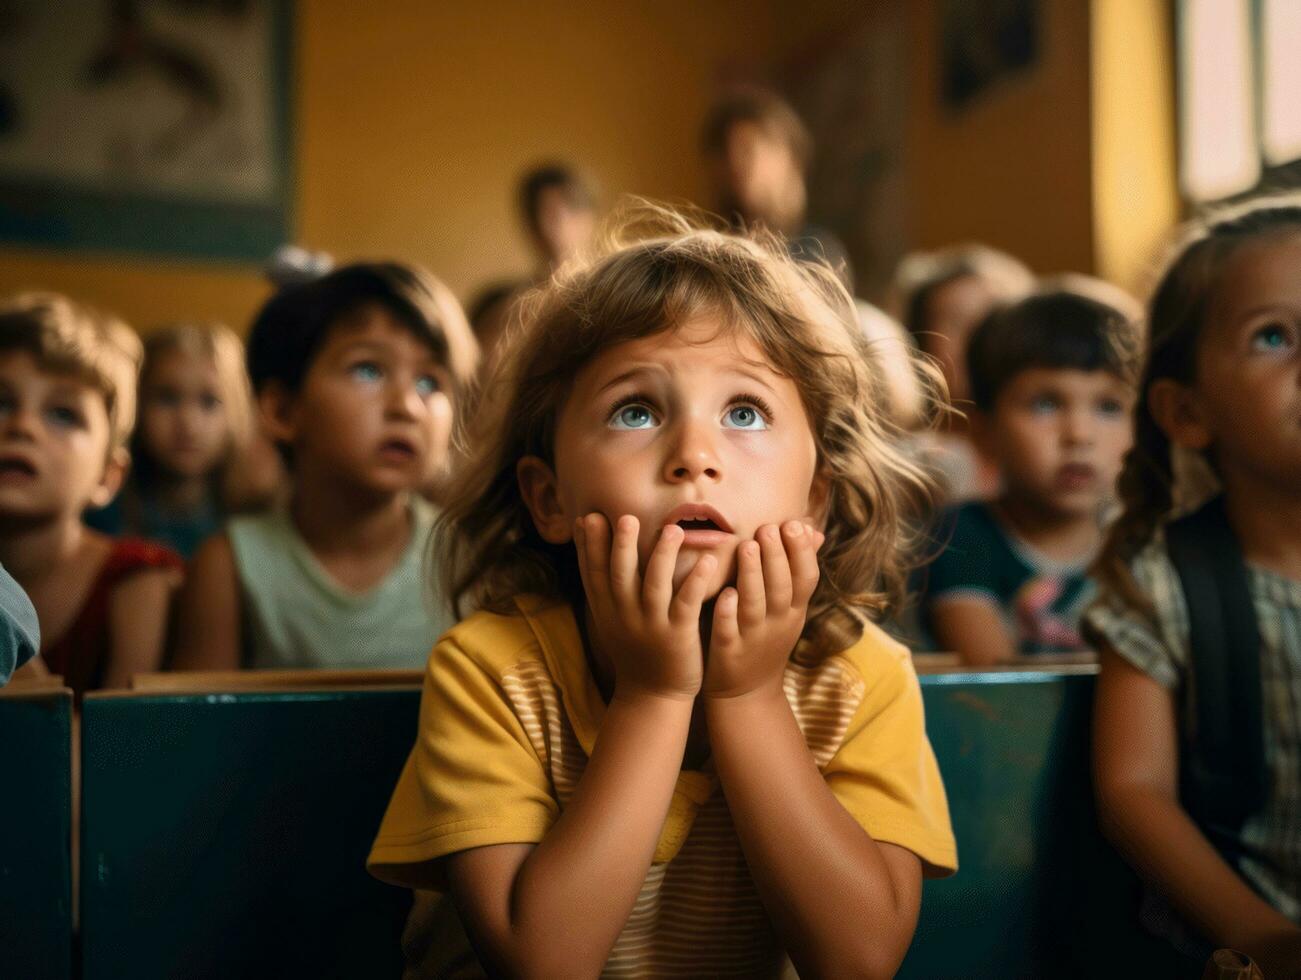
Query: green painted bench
point(36, 833)
point(224, 834)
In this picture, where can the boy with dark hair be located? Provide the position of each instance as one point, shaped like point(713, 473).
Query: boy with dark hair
point(1053, 379)
point(355, 376)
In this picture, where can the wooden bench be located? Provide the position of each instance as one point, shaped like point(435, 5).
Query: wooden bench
point(225, 832)
point(36, 902)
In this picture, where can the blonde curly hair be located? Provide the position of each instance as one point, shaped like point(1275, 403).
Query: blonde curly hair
point(658, 268)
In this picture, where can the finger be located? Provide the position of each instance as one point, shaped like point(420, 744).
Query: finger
point(774, 544)
point(593, 534)
point(691, 594)
point(657, 585)
point(625, 583)
point(752, 604)
point(804, 567)
point(726, 634)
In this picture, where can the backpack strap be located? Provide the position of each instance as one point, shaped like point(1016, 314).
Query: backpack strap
point(1222, 775)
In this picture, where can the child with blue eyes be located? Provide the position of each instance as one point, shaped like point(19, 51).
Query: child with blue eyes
point(67, 406)
point(1197, 724)
point(1052, 378)
point(671, 741)
point(356, 375)
point(195, 420)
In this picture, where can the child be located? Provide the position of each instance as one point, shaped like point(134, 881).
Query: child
point(943, 296)
point(356, 375)
point(1052, 378)
point(67, 404)
point(1221, 380)
point(195, 417)
point(668, 742)
point(558, 208)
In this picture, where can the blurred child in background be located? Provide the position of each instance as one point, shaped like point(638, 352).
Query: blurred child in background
point(195, 421)
point(357, 375)
point(558, 208)
point(1052, 378)
point(942, 296)
point(67, 404)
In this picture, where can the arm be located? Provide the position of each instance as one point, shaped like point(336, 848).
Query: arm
point(137, 616)
point(815, 867)
point(842, 904)
point(556, 908)
point(973, 629)
point(208, 627)
point(1135, 771)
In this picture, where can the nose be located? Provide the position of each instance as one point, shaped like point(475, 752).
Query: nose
point(1078, 425)
point(402, 399)
point(20, 424)
point(693, 454)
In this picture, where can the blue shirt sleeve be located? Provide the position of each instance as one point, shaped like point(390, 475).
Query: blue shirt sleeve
point(20, 634)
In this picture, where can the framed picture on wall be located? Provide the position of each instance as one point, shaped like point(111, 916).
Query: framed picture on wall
point(147, 126)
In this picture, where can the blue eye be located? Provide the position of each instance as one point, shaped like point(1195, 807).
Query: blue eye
point(427, 385)
point(64, 417)
point(744, 417)
point(1273, 337)
point(1110, 407)
point(366, 371)
point(632, 416)
point(1044, 404)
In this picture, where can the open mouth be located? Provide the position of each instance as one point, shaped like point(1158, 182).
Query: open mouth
point(698, 524)
point(14, 466)
point(398, 447)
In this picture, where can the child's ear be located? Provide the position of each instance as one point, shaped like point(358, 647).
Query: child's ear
point(115, 471)
point(537, 485)
point(820, 498)
point(1178, 412)
point(275, 404)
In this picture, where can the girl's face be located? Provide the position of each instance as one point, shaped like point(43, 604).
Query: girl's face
point(690, 426)
point(183, 424)
point(1246, 403)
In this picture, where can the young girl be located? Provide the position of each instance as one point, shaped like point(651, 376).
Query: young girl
point(195, 420)
point(670, 741)
point(67, 404)
point(1222, 380)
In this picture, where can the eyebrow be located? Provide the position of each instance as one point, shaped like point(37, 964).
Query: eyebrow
point(757, 372)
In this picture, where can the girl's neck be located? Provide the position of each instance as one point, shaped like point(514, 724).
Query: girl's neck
point(177, 494)
point(1062, 537)
point(1267, 521)
point(335, 518)
point(33, 551)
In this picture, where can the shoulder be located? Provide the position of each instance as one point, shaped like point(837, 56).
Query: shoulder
point(1150, 627)
point(877, 660)
point(134, 556)
point(493, 642)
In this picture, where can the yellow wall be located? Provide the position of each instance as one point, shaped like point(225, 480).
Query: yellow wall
point(1135, 193)
point(1014, 168)
point(414, 119)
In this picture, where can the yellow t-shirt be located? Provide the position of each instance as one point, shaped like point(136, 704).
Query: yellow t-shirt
point(508, 719)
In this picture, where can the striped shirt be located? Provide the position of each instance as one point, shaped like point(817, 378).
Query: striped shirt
point(1159, 646)
point(509, 717)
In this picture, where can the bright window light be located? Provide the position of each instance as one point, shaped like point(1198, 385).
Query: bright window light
point(1280, 29)
point(1218, 147)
